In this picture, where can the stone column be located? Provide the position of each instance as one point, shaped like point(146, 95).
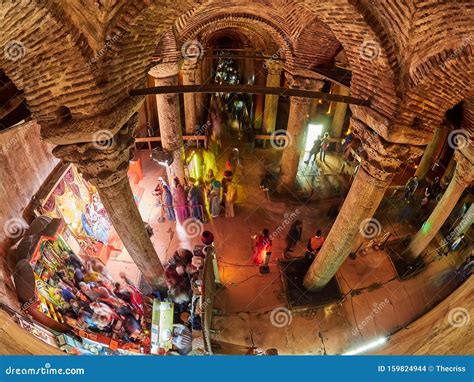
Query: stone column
point(169, 118)
point(380, 160)
point(431, 151)
point(188, 72)
point(340, 111)
point(199, 97)
point(259, 98)
point(463, 176)
point(105, 164)
point(297, 121)
point(271, 100)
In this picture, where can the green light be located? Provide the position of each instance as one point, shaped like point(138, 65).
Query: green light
point(426, 227)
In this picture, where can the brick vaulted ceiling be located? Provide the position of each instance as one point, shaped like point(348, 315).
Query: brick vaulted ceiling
point(413, 59)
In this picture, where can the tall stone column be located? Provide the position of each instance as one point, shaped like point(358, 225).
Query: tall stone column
point(380, 161)
point(188, 72)
point(463, 176)
point(105, 164)
point(199, 97)
point(169, 117)
point(297, 121)
point(340, 111)
point(271, 100)
point(431, 151)
point(259, 98)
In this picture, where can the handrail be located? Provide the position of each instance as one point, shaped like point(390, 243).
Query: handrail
point(148, 140)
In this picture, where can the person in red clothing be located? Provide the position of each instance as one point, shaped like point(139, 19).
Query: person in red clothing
point(314, 245)
point(263, 245)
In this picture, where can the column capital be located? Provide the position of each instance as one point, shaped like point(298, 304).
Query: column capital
point(104, 162)
point(164, 70)
point(380, 158)
point(274, 66)
point(303, 83)
point(464, 171)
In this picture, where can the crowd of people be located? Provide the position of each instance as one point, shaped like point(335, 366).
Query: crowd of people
point(198, 198)
point(84, 293)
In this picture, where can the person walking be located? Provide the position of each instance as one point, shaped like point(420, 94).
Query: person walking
point(293, 236)
point(230, 198)
point(215, 198)
point(410, 187)
point(263, 245)
point(180, 201)
point(324, 147)
point(314, 245)
point(314, 150)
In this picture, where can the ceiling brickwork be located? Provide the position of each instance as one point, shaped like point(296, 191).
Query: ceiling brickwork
point(412, 59)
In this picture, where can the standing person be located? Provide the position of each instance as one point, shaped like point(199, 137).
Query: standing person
point(159, 193)
point(230, 198)
point(294, 235)
point(324, 147)
point(314, 245)
point(314, 150)
point(263, 245)
point(410, 187)
point(168, 201)
point(215, 198)
point(435, 188)
point(225, 181)
point(195, 200)
point(180, 201)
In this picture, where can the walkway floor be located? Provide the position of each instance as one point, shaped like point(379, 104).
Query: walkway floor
point(253, 306)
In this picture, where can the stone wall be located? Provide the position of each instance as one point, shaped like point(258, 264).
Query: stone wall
point(25, 162)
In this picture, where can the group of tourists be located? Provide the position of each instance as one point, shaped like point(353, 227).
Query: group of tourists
point(320, 146)
point(197, 199)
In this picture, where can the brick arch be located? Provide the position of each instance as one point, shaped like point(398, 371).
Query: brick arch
point(251, 21)
point(436, 85)
point(252, 37)
point(53, 69)
point(356, 27)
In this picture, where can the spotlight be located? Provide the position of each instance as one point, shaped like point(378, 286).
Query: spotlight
point(165, 158)
point(368, 346)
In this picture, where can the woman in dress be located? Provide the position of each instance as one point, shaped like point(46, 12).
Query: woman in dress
point(195, 198)
point(180, 201)
point(168, 201)
point(263, 245)
point(215, 198)
point(230, 197)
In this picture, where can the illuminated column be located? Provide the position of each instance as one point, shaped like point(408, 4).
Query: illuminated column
point(271, 100)
point(188, 72)
point(339, 113)
point(463, 176)
point(105, 165)
point(297, 122)
point(199, 97)
point(432, 150)
point(381, 159)
point(259, 98)
point(169, 118)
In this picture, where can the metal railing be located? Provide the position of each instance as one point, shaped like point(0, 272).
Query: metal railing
point(149, 140)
